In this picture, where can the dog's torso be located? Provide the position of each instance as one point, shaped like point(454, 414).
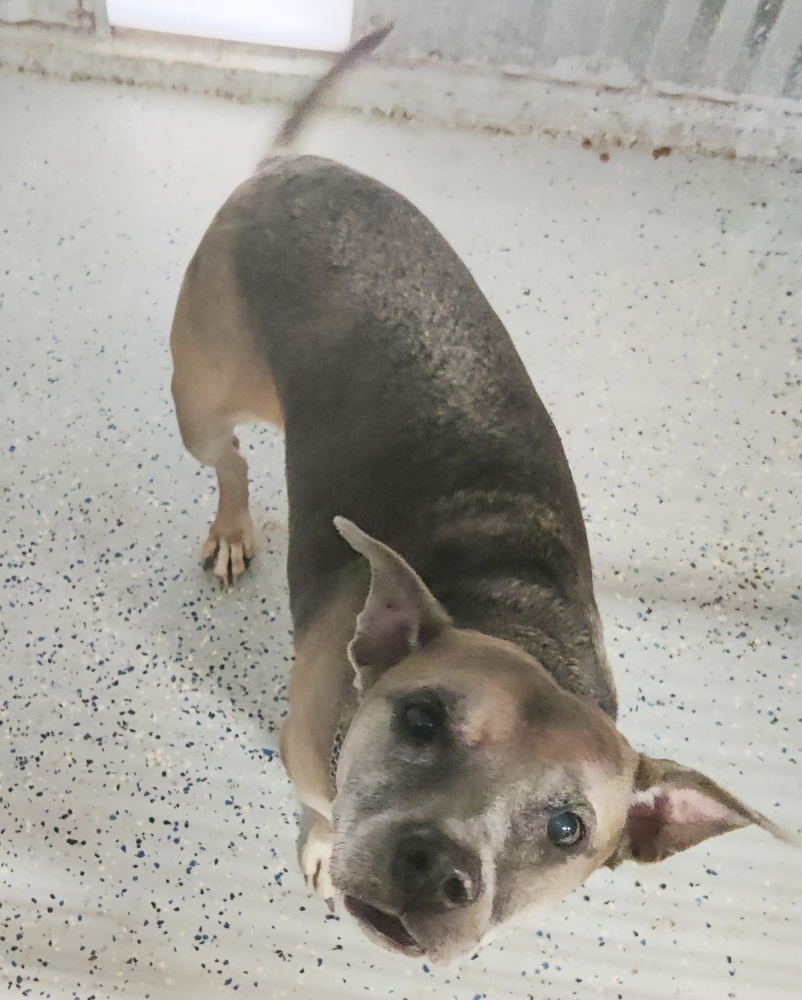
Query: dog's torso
point(407, 408)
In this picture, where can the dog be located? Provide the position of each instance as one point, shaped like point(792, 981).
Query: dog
point(452, 716)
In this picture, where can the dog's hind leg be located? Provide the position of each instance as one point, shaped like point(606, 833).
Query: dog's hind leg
point(219, 381)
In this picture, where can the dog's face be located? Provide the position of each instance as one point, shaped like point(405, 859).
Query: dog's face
point(471, 787)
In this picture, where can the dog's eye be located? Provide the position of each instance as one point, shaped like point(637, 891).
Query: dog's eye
point(565, 829)
point(422, 721)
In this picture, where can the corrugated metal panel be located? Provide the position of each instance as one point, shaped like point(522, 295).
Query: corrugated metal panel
point(734, 46)
point(572, 33)
point(778, 60)
point(728, 60)
point(629, 33)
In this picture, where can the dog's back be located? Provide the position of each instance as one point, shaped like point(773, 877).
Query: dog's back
point(407, 409)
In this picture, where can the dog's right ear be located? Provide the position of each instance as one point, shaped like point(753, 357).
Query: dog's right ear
point(400, 614)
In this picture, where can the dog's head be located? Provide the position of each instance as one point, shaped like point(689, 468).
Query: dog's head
point(470, 786)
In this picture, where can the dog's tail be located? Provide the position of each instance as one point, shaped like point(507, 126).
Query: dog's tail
point(310, 102)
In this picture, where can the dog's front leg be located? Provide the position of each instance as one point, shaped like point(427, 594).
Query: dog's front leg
point(315, 842)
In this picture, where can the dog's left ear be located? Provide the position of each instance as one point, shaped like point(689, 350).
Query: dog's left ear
point(400, 614)
point(674, 807)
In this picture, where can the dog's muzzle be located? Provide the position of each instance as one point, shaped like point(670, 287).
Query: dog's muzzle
point(427, 874)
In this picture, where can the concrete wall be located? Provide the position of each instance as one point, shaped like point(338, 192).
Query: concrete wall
point(79, 14)
point(498, 32)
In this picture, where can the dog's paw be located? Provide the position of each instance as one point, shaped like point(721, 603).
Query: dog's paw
point(229, 548)
point(315, 861)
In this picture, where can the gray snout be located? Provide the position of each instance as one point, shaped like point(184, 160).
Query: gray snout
point(431, 872)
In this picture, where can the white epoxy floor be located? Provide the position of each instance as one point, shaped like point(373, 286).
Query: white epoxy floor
point(146, 826)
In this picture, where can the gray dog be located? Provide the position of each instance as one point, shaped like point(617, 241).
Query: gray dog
point(453, 741)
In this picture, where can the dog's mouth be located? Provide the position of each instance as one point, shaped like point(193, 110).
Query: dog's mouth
point(386, 929)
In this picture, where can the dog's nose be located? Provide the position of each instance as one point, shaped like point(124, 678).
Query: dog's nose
point(433, 872)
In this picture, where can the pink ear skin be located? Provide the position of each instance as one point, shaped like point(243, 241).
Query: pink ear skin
point(400, 614)
point(674, 808)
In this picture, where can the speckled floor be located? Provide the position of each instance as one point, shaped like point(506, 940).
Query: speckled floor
point(146, 826)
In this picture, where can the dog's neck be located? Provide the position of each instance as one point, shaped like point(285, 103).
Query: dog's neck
point(338, 739)
point(558, 634)
point(334, 757)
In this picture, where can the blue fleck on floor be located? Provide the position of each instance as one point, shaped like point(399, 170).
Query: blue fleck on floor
point(147, 829)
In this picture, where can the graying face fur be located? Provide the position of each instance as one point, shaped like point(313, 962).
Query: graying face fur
point(470, 788)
